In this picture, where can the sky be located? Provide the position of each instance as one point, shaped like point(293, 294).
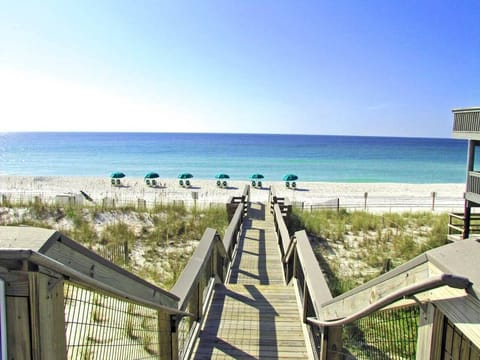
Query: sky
point(364, 67)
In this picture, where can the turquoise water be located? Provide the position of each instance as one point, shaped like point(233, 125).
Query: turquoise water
point(312, 158)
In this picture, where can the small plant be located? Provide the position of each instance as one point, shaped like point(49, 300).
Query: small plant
point(97, 316)
point(86, 353)
point(130, 329)
point(149, 345)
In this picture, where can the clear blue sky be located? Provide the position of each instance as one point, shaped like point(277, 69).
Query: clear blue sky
point(365, 67)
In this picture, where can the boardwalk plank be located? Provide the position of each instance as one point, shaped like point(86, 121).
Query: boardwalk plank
point(255, 315)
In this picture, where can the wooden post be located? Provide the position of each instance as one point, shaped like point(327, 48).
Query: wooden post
point(331, 344)
point(434, 194)
point(466, 220)
point(47, 318)
point(125, 252)
point(18, 328)
point(305, 301)
point(167, 336)
point(425, 332)
point(365, 195)
point(141, 204)
point(467, 210)
point(436, 352)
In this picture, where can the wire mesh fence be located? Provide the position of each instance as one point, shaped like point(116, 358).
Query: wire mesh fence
point(99, 326)
point(384, 335)
point(184, 330)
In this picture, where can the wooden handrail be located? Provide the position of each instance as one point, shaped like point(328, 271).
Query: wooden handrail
point(73, 275)
point(457, 228)
point(316, 283)
point(211, 251)
point(454, 281)
point(299, 261)
point(190, 275)
point(284, 236)
point(231, 234)
point(457, 216)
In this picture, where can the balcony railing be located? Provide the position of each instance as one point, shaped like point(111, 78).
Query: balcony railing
point(466, 123)
point(473, 187)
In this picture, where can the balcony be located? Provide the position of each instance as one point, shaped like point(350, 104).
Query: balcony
point(473, 187)
point(466, 123)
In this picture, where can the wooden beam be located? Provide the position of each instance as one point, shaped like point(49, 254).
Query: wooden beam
point(425, 332)
point(437, 335)
point(18, 328)
point(333, 343)
point(165, 338)
point(47, 317)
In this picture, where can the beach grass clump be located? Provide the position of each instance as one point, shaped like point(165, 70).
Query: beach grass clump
point(117, 233)
point(362, 221)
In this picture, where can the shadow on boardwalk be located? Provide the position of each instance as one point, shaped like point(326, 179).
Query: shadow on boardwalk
point(258, 318)
point(255, 315)
point(250, 264)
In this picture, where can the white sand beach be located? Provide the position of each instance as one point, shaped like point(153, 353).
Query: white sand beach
point(376, 196)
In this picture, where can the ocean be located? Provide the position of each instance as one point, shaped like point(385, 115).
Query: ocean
point(310, 157)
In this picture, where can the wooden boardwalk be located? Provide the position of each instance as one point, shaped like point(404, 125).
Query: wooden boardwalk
point(254, 316)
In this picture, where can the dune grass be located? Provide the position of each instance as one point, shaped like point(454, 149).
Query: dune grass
point(374, 242)
point(165, 236)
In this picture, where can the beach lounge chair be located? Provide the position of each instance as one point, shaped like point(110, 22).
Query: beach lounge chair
point(254, 184)
point(118, 182)
point(187, 183)
point(154, 183)
point(113, 181)
point(180, 182)
point(294, 184)
point(147, 181)
point(219, 183)
point(287, 184)
point(259, 184)
point(224, 184)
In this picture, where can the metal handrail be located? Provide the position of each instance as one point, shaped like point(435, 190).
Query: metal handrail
point(458, 282)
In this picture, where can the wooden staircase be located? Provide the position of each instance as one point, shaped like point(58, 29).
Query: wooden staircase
point(255, 315)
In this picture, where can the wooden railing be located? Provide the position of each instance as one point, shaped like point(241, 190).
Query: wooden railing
point(62, 300)
point(300, 264)
point(59, 294)
point(466, 121)
point(456, 226)
point(208, 265)
point(473, 186)
point(325, 316)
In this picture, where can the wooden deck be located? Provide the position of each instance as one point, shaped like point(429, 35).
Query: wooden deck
point(255, 315)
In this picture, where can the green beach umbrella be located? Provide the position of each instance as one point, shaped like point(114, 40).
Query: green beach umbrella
point(256, 176)
point(185, 175)
point(117, 175)
point(290, 177)
point(151, 175)
point(222, 176)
